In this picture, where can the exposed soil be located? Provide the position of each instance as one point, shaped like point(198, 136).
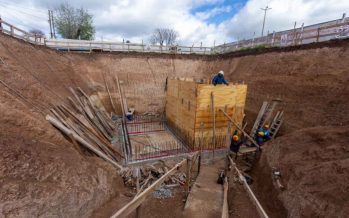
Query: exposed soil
point(315, 170)
point(42, 174)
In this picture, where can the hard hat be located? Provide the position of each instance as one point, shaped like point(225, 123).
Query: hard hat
point(221, 72)
point(261, 133)
point(235, 137)
point(266, 126)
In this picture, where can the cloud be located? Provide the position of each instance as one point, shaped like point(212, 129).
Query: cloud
point(283, 15)
point(213, 12)
point(135, 20)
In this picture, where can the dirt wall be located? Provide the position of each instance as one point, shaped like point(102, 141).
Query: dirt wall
point(43, 174)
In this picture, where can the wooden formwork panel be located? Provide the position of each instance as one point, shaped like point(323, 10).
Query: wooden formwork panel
point(189, 105)
point(181, 105)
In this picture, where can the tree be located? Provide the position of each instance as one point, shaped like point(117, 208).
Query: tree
point(74, 23)
point(37, 32)
point(164, 36)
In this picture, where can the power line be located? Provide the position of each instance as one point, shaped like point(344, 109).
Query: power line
point(18, 5)
point(23, 12)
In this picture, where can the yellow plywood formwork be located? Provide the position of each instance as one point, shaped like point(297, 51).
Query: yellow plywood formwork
point(189, 111)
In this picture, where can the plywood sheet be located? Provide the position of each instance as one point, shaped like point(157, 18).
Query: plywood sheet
point(189, 105)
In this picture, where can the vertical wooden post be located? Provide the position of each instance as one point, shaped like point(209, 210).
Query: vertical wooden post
point(225, 210)
point(267, 40)
point(12, 30)
point(138, 210)
point(214, 124)
point(200, 144)
point(300, 41)
point(228, 134)
point(273, 39)
point(294, 33)
point(0, 24)
point(187, 183)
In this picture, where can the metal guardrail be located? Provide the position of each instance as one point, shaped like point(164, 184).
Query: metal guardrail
point(335, 29)
point(89, 46)
point(321, 32)
point(21, 34)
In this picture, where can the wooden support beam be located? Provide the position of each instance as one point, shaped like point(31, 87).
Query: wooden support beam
point(188, 176)
point(68, 132)
point(110, 98)
point(138, 210)
point(250, 193)
point(132, 205)
point(225, 211)
point(259, 117)
point(239, 128)
point(214, 124)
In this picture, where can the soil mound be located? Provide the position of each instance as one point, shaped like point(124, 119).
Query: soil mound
point(314, 163)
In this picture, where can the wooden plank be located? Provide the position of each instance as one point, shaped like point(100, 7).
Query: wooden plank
point(110, 98)
point(250, 193)
point(225, 210)
point(132, 205)
point(213, 121)
point(68, 132)
point(258, 119)
point(188, 176)
point(239, 128)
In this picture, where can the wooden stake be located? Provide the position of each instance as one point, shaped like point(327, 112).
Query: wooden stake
point(66, 131)
point(110, 98)
point(239, 128)
point(214, 124)
point(132, 205)
point(225, 211)
point(188, 175)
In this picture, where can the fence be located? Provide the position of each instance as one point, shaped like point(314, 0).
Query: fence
point(21, 34)
point(336, 29)
point(89, 46)
point(321, 32)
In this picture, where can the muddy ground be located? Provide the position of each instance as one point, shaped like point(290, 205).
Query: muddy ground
point(42, 174)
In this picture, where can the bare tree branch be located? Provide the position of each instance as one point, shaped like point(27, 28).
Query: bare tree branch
point(164, 36)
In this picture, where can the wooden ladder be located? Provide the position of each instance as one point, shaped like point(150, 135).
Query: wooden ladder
point(268, 113)
point(259, 118)
point(276, 124)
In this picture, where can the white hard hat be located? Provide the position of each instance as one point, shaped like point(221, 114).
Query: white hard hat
point(221, 72)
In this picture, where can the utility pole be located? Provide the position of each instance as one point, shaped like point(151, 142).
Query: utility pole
point(50, 22)
point(53, 25)
point(0, 24)
point(265, 14)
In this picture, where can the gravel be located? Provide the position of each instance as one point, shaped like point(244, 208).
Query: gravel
point(162, 193)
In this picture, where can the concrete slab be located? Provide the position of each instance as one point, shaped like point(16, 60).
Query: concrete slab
point(206, 196)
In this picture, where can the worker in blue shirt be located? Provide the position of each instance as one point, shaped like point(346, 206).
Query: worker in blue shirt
point(263, 134)
point(219, 79)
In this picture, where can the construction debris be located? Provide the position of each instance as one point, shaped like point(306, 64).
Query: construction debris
point(92, 125)
point(150, 173)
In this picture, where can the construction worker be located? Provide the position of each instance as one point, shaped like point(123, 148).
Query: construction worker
point(235, 144)
point(129, 115)
point(263, 134)
point(219, 79)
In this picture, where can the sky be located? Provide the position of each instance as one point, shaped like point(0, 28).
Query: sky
point(197, 21)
